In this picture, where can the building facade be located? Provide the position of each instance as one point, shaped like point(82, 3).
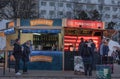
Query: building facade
point(52, 9)
point(109, 9)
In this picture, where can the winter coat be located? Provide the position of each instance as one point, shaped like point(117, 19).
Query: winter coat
point(87, 54)
point(105, 50)
point(80, 48)
point(17, 51)
point(26, 52)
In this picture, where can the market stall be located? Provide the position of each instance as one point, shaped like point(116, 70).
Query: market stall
point(46, 40)
point(73, 32)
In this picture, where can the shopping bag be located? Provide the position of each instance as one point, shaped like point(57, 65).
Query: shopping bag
point(12, 58)
point(78, 65)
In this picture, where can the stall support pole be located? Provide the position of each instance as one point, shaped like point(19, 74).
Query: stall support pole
point(63, 49)
point(4, 63)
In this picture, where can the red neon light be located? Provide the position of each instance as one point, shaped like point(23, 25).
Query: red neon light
point(74, 40)
point(85, 24)
point(88, 37)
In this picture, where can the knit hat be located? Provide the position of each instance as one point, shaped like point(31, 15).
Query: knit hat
point(17, 40)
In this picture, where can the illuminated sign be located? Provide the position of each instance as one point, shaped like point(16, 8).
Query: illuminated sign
point(2, 34)
point(10, 24)
point(41, 58)
point(76, 31)
point(85, 24)
point(41, 22)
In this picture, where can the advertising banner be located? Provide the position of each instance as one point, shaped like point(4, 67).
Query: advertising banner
point(85, 24)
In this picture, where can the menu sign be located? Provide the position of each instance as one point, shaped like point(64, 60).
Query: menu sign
point(41, 22)
point(85, 24)
point(76, 31)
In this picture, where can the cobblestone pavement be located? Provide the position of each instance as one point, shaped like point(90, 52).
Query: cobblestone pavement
point(37, 74)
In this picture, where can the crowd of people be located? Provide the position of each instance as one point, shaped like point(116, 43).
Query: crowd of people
point(88, 51)
point(21, 52)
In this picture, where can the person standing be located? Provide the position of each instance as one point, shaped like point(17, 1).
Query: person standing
point(105, 48)
point(81, 44)
point(86, 54)
point(92, 46)
point(101, 47)
point(17, 53)
point(25, 57)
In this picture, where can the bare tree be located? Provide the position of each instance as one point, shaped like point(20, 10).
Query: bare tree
point(3, 3)
point(95, 15)
point(82, 15)
point(25, 9)
point(111, 25)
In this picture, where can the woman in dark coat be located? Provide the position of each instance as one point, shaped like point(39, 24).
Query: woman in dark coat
point(25, 57)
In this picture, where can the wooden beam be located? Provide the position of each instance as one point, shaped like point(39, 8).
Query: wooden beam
point(39, 27)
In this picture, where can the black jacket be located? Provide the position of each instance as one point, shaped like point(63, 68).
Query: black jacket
point(17, 51)
point(86, 51)
point(26, 52)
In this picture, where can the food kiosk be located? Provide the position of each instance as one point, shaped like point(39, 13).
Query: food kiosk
point(53, 40)
point(73, 31)
point(46, 42)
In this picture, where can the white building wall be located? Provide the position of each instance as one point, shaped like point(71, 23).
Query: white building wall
point(64, 9)
point(110, 8)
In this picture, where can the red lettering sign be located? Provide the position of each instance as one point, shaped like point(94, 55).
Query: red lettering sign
point(85, 24)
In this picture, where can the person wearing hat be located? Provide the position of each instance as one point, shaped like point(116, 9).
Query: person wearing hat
point(17, 53)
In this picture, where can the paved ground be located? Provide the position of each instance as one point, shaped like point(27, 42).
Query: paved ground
point(35, 74)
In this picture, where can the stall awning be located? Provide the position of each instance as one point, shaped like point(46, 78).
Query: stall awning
point(9, 31)
point(41, 31)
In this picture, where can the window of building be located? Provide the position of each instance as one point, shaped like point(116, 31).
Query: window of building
point(115, 8)
point(43, 3)
point(51, 12)
point(106, 8)
point(68, 13)
point(68, 5)
point(118, 3)
point(52, 3)
point(60, 4)
point(90, 6)
point(112, 1)
point(60, 13)
point(114, 16)
point(107, 16)
point(100, 7)
point(99, 1)
point(43, 12)
point(88, 1)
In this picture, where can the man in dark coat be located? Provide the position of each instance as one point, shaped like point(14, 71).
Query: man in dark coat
point(81, 45)
point(17, 53)
point(25, 57)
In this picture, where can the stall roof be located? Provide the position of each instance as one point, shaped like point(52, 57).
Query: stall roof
point(38, 27)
